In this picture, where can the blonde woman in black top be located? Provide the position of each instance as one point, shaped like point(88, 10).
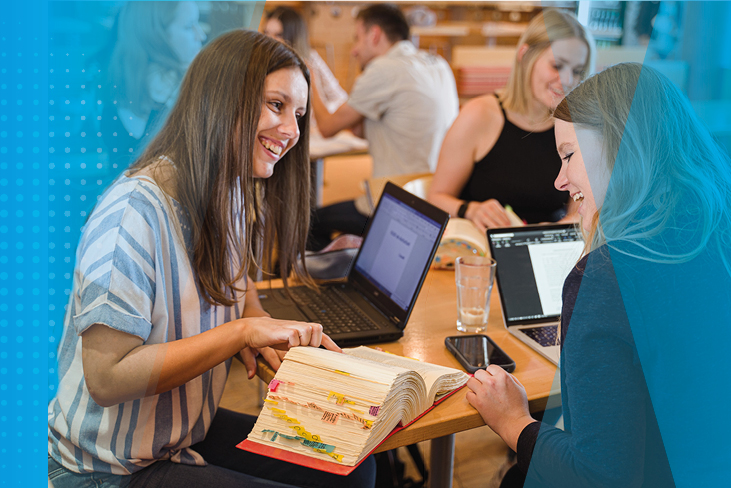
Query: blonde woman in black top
point(500, 150)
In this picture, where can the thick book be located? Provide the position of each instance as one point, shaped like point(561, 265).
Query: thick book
point(463, 238)
point(329, 411)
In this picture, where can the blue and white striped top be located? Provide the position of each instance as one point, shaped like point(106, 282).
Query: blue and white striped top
point(133, 273)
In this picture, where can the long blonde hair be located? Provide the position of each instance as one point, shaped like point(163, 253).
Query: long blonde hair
point(549, 26)
point(669, 177)
point(142, 44)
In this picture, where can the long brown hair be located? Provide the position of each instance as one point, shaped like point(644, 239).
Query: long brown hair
point(209, 136)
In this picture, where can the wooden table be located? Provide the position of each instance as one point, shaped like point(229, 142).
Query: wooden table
point(434, 318)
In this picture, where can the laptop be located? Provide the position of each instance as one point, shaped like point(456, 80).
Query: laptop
point(375, 301)
point(532, 265)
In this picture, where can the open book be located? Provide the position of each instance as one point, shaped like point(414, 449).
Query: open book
point(463, 238)
point(329, 411)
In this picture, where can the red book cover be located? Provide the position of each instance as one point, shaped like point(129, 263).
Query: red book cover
point(320, 464)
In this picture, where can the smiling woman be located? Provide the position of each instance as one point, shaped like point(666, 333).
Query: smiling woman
point(500, 149)
point(155, 44)
point(285, 103)
point(649, 298)
point(161, 301)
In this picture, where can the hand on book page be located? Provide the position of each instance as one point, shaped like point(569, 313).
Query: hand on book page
point(329, 410)
point(263, 332)
point(285, 334)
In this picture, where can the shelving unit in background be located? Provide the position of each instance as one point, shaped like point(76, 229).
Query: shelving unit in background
point(605, 21)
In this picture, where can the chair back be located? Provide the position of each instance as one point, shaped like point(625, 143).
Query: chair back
point(419, 186)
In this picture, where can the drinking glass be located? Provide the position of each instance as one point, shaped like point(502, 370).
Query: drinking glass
point(474, 276)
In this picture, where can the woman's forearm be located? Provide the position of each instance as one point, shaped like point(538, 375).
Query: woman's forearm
point(445, 201)
point(114, 375)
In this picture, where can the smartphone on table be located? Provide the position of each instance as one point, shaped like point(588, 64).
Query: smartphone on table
point(478, 351)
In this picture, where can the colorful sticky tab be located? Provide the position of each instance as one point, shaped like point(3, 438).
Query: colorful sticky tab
point(330, 417)
point(374, 410)
point(284, 417)
point(339, 398)
point(319, 446)
point(274, 384)
point(337, 457)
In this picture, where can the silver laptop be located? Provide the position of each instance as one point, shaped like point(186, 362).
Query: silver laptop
point(532, 265)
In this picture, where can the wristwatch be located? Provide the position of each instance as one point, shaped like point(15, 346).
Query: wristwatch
point(462, 209)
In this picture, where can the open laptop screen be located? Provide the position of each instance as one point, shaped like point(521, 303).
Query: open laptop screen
point(397, 249)
point(532, 264)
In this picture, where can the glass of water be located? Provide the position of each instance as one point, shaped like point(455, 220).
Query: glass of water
point(474, 276)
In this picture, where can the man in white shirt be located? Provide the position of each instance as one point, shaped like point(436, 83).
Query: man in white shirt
point(403, 102)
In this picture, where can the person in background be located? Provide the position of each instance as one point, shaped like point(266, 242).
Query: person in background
point(500, 150)
point(287, 25)
point(155, 44)
point(403, 103)
point(161, 300)
point(644, 309)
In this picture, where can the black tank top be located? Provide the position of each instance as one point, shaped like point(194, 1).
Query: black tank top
point(519, 171)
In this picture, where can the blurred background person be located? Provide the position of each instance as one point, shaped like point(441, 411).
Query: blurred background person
point(403, 102)
point(287, 25)
point(501, 149)
point(155, 44)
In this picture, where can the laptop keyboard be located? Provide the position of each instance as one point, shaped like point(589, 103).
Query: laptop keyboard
point(545, 336)
point(334, 310)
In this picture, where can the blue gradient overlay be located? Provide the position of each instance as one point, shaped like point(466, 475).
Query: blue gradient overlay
point(652, 316)
point(53, 166)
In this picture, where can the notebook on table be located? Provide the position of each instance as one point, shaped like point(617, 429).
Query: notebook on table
point(377, 298)
point(532, 265)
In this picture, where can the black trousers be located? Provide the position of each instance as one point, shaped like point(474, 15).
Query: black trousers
point(340, 217)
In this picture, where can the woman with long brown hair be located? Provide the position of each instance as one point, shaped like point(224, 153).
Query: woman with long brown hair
point(161, 301)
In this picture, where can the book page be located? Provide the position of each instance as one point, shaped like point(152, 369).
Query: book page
point(438, 379)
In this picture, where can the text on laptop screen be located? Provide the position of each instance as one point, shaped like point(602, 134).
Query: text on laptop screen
point(396, 250)
point(533, 264)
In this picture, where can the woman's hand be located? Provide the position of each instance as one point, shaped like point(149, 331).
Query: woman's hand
point(487, 214)
point(270, 337)
point(501, 401)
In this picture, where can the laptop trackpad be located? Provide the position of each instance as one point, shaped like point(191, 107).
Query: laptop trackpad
point(281, 307)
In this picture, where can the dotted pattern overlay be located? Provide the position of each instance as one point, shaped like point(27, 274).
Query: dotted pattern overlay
point(24, 351)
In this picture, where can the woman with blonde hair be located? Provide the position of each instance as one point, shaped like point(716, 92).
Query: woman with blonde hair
point(646, 306)
point(155, 44)
point(499, 150)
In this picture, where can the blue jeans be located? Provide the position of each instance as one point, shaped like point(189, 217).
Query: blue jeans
point(227, 467)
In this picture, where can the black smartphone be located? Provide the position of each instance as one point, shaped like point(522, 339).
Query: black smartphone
point(477, 351)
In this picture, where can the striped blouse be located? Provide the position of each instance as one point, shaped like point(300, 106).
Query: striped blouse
point(133, 273)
